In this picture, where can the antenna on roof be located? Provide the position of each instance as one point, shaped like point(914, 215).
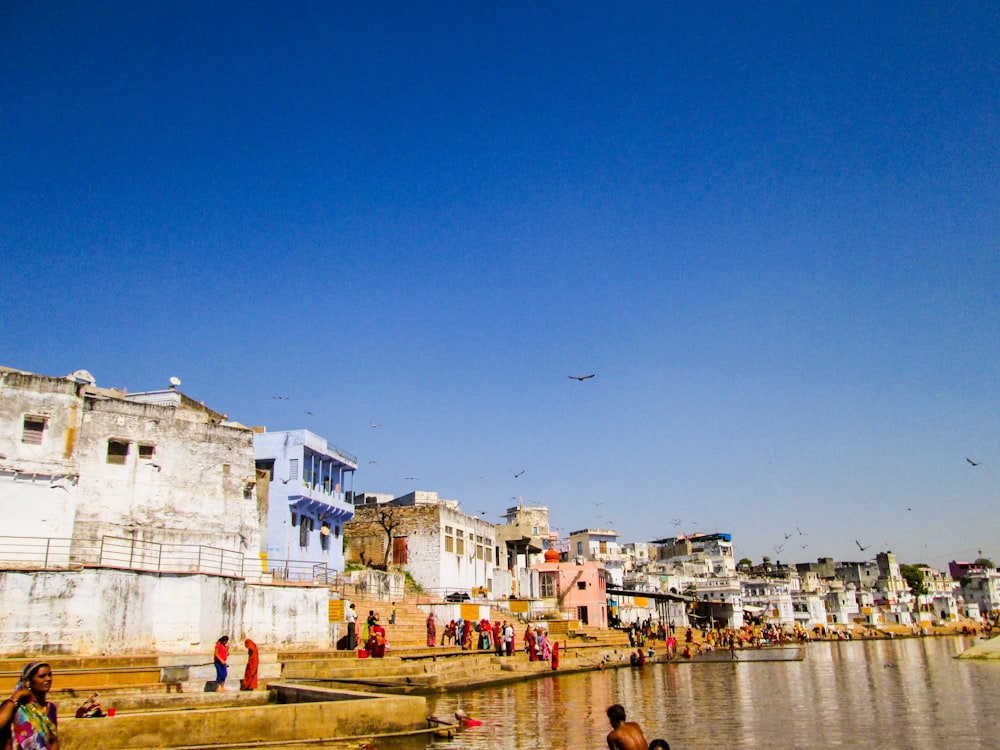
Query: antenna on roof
point(174, 382)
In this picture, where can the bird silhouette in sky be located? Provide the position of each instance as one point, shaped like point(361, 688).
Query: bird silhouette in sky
point(280, 398)
point(787, 535)
point(375, 426)
point(309, 413)
point(859, 545)
point(516, 475)
point(285, 481)
point(973, 462)
point(412, 479)
point(581, 378)
point(778, 548)
point(801, 532)
point(373, 462)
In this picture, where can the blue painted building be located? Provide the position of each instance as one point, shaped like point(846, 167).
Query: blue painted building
point(307, 506)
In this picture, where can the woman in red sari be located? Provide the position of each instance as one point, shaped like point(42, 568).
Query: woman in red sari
point(249, 681)
point(431, 630)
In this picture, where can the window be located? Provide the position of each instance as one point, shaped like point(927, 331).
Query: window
point(146, 452)
point(547, 582)
point(579, 548)
point(581, 584)
point(459, 542)
point(225, 470)
point(489, 554)
point(293, 469)
point(305, 526)
point(449, 539)
point(534, 531)
point(33, 429)
point(604, 548)
point(480, 553)
point(117, 452)
point(268, 466)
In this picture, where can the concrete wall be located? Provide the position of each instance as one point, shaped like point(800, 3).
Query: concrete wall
point(98, 611)
point(330, 715)
point(37, 506)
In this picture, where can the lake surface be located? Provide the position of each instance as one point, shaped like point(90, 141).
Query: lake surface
point(904, 693)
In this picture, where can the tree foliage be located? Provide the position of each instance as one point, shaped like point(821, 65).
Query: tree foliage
point(914, 579)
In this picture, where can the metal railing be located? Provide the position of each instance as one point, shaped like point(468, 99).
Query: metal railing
point(295, 571)
point(42, 553)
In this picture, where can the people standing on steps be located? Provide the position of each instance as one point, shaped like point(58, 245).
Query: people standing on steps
point(351, 617)
point(221, 660)
point(249, 681)
point(431, 630)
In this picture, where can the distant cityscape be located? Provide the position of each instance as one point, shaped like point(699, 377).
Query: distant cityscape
point(155, 481)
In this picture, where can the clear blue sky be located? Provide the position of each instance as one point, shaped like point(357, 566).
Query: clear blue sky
point(770, 229)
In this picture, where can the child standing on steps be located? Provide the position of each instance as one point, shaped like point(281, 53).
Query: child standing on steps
point(392, 615)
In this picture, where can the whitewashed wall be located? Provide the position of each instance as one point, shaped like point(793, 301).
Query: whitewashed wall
point(97, 611)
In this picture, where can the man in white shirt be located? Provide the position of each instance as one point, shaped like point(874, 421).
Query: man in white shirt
point(351, 617)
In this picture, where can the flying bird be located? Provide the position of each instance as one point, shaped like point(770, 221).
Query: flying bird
point(801, 532)
point(518, 473)
point(309, 413)
point(973, 462)
point(373, 462)
point(859, 545)
point(285, 481)
point(778, 548)
point(375, 426)
point(787, 535)
point(280, 398)
point(581, 378)
point(412, 479)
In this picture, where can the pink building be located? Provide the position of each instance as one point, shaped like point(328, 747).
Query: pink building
point(577, 591)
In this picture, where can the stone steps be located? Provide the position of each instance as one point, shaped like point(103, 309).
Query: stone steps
point(110, 675)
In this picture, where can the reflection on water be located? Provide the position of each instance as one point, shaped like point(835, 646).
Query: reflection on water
point(880, 694)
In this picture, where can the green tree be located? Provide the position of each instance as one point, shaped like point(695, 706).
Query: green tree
point(745, 564)
point(985, 562)
point(914, 579)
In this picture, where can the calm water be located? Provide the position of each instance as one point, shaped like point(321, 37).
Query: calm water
point(842, 695)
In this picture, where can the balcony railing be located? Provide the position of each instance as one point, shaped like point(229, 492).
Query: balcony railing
point(113, 552)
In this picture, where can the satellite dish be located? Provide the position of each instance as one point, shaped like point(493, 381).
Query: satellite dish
point(175, 381)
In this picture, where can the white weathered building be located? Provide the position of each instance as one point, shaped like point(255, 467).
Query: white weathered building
point(600, 545)
point(445, 550)
point(142, 511)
